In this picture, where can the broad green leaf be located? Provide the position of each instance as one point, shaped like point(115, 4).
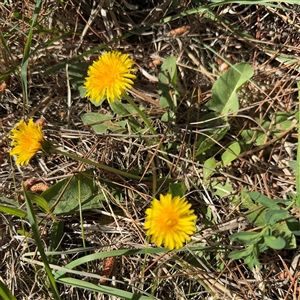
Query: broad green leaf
point(80, 188)
point(168, 116)
point(167, 83)
point(273, 242)
point(255, 212)
point(282, 116)
point(260, 139)
point(264, 200)
point(56, 235)
point(224, 92)
point(284, 232)
point(246, 237)
point(248, 136)
point(122, 109)
point(103, 123)
point(273, 216)
point(240, 253)
point(252, 260)
point(208, 168)
point(222, 190)
point(165, 99)
point(293, 226)
point(168, 72)
point(231, 153)
point(177, 189)
point(253, 137)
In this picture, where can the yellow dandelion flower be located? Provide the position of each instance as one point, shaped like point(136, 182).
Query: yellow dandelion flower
point(109, 77)
point(170, 221)
point(26, 141)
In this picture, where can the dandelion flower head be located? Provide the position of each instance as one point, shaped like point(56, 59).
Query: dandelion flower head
point(170, 221)
point(26, 141)
point(109, 77)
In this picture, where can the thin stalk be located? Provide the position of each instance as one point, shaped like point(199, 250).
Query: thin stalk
point(141, 113)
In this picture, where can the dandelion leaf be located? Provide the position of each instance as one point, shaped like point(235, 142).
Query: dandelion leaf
point(224, 92)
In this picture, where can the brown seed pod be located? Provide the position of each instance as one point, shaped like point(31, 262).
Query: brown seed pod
point(180, 30)
point(3, 86)
point(39, 187)
point(40, 122)
point(107, 268)
point(154, 63)
point(28, 183)
point(33, 186)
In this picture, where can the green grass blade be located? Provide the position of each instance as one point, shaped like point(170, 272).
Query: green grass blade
point(25, 59)
point(13, 211)
point(5, 293)
point(104, 289)
point(101, 255)
point(35, 230)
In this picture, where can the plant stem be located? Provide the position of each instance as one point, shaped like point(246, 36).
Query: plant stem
point(141, 113)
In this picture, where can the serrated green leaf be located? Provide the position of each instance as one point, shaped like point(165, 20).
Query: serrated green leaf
point(103, 123)
point(80, 188)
